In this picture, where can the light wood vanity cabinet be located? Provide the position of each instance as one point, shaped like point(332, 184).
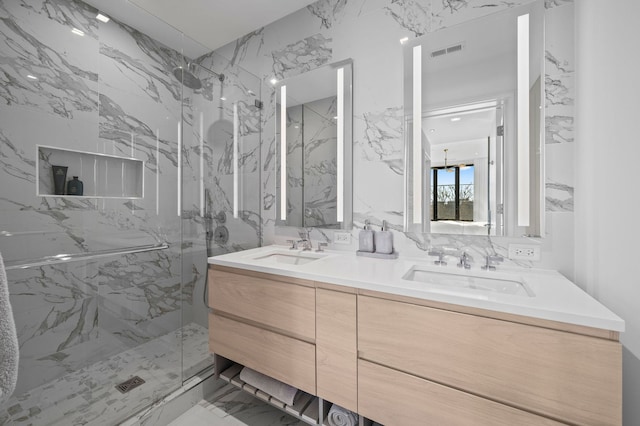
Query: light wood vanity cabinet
point(404, 361)
point(569, 377)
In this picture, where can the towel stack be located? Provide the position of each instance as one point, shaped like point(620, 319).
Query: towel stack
point(280, 391)
point(339, 416)
point(8, 341)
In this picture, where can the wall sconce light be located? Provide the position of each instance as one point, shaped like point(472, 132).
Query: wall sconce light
point(340, 145)
point(283, 153)
point(523, 119)
point(236, 182)
point(417, 134)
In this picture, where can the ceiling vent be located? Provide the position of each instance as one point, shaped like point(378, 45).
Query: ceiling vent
point(447, 50)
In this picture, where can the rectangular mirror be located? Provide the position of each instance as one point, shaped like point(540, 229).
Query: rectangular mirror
point(474, 99)
point(314, 148)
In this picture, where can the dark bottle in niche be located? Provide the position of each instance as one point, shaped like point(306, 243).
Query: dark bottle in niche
point(75, 186)
point(59, 179)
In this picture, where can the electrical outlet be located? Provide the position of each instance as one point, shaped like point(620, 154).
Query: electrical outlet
point(342, 237)
point(524, 252)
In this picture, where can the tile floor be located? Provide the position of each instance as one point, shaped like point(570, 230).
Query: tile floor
point(88, 395)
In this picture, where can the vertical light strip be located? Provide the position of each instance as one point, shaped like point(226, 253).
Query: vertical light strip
point(179, 178)
point(523, 120)
point(283, 153)
point(340, 147)
point(201, 164)
point(157, 172)
point(417, 135)
point(236, 126)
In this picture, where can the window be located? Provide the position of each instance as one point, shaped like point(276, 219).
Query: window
point(452, 192)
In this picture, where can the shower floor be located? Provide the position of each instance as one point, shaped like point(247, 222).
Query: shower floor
point(89, 396)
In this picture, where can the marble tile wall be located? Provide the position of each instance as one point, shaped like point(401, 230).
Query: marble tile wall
point(112, 91)
point(108, 91)
point(320, 162)
point(368, 31)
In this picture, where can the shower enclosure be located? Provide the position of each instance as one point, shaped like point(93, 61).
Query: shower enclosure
point(109, 285)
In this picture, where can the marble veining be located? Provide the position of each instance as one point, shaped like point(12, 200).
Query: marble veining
point(14, 161)
point(327, 10)
point(559, 197)
point(559, 90)
point(559, 129)
point(446, 13)
point(413, 15)
point(562, 65)
point(304, 55)
point(383, 138)
point(64, 83)
point(549, 4)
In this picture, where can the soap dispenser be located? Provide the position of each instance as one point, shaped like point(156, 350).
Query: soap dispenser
point(383, 240)
point(366, 239)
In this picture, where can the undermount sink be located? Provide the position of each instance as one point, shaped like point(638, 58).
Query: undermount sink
point(290, 258)
point(465, 281)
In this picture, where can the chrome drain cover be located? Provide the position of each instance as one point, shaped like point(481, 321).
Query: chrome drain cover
point(127, 385)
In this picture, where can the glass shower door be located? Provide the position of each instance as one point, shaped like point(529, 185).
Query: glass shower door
point(220, 185)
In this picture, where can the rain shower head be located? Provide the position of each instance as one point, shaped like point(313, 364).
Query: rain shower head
point(188, 78)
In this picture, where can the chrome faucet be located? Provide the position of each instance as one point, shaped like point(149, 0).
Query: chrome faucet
point(465, 260)
point(305, 239)
point(490, 260)
point(440, 253)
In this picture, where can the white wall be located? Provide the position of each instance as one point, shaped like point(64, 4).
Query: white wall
point(607, 192)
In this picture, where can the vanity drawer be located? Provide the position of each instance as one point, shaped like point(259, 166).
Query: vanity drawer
point(395, 398)
point(284, 358)
point(566, 376)
point(285, 306)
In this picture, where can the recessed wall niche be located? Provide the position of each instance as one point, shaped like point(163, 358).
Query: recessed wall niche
point(103, 175)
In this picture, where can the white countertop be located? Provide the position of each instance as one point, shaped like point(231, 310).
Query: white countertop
point(554, 297)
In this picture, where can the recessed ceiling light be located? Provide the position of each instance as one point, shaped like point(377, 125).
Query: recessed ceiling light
point(335, 118)
point(250, 92)
point(78, 32)
point(403, 40)
point(223, 98)
point(432, 130)
point(273, 81)
point(456, 119)
point(103, 18)
point(32, 77)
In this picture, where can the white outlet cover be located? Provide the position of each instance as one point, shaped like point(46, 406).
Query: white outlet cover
point(342, 238)
point(524, 252)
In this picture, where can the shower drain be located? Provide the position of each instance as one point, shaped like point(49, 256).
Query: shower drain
point(127, 385)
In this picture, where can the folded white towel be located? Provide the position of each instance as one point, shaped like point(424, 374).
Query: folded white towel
point(339, 416)
point(280, 391)
point(8, 341)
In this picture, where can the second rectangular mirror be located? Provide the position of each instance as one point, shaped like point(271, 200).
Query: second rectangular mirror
point(474, 126)
point(314, 148)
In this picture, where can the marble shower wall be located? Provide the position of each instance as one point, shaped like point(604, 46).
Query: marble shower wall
point(109, 91)
point(368, 31)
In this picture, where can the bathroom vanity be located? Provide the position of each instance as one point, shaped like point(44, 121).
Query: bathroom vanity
point(363, 334)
